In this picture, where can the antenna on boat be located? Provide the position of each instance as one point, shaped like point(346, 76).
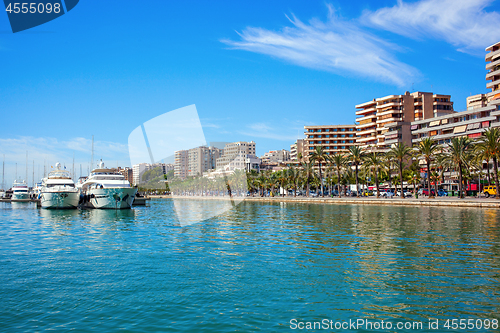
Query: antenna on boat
point(16, 171)
point(3, 172)
point(92, 159)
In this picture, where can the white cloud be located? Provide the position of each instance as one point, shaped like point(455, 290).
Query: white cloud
point(262, 130)
point(46, 151)
point(336, 45)
point(462, 23)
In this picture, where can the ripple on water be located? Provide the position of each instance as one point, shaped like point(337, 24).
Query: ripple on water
point(252, 268)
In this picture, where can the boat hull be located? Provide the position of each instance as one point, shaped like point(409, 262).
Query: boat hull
point(20, 197)
point(112, 198)
point(59, 200)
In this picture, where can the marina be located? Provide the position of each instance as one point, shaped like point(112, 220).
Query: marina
point(256, 267)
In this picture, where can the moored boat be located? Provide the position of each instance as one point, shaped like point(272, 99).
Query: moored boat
point(58, 190)
point(107, 188)
point(20, 191)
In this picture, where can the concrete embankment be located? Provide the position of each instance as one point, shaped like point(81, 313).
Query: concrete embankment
point(441, 202)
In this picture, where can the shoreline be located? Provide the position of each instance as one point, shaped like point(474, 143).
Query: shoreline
point(437, 202)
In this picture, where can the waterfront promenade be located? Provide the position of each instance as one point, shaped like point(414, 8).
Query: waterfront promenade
point(422, 201)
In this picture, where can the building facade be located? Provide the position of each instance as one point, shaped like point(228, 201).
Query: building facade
point(181, 164)
point(385, 121)
point(493, 67)
point(278, 156)
point(201, 159)
point(333, 138)
point(233, 150)
point(296, 149)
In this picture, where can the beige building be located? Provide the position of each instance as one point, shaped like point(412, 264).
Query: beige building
point(234, 149)
point(493, 66)
point(296, 149)
point(476, 101)
point(181, 164)
point(385, 121)
point(276, 156)
point(333, 138)
point(201, 159)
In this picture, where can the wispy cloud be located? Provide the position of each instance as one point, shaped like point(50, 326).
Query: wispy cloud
point(463, 23)
point(45, 151)
point(336, 45)
point(263, 130)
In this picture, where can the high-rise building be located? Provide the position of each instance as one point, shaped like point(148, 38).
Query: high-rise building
point(137, 171)
point(296, 149)
point(386, 121)
point(234, 149)
point(181, 164)
point(201, 159)
point(128, 173)
point(333, 138)
point(493, 66)
point(276, 156)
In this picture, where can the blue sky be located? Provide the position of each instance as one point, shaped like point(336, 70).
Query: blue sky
point(256, 70)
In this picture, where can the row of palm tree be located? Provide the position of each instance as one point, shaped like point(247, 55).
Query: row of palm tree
point(462, 155)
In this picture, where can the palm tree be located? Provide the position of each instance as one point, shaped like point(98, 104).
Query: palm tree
point(387, 167)
point(373, 161)
point(400, 151)
point(307, 171)
point(426, 149)
point(356, 155)
point(490, 145)
point(339, 161)
point(319, 155)
point(458, 151)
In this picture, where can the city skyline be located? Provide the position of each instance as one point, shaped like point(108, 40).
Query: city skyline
point(255, 71)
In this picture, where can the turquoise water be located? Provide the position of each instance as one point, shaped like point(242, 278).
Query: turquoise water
point(252, 269)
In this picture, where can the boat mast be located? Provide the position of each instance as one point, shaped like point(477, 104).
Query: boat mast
point(33, 173)
point(92, 159)
point(73, 174)
point(3, 173)
point(26, 167)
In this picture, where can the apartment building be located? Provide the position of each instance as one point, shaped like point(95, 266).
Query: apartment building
point(493, 67)
point(232, 150)
point(276, 156)
point(137, 171)
point(471, 122)
point(483, 110)
point(333, 138)
point(128, 173)
point(181, 164)
point(201, 159)
point(385, 121)
point(296, 149)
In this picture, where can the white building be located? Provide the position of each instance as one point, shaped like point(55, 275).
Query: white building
point(276, 156)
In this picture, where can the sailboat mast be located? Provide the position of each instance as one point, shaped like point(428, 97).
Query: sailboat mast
point(92, 159)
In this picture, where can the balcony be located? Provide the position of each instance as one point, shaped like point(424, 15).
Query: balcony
point(387, 105)
point(366, 139)
point(370, 116)
point(365, 111)
point(492, 84)
point(492, 64)
point(365, 132)
point(490, 75)
point(492, 55)
point(361, 126)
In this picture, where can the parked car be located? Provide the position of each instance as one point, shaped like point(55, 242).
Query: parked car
point(425, 191)
point(490, 190)
point(442, 193)
point(406, 194)
point(386, 193)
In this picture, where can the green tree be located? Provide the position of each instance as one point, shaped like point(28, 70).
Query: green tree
point(339, 161)
point(490, 147)
point(427, 149)
point(319, 155)
point(356, 157)
point(400, 152)
point(373, 162)
point(458, 156)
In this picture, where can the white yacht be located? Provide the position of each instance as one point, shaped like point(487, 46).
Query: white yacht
point(58, 190)
point(107, 188)
point(20, 191)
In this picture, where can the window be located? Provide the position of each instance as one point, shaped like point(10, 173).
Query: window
point(327, 141)
point(343, 129)
point(327, 130)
